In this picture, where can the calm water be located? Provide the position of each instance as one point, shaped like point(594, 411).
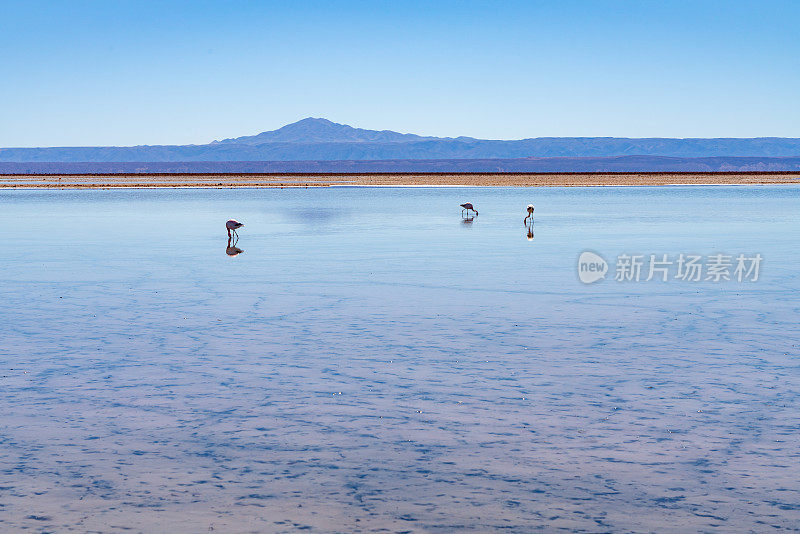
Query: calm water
point(371, 363)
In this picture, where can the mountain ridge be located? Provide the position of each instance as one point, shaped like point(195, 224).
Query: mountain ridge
point(522, 165)
point(312, 129)
point(318, 139)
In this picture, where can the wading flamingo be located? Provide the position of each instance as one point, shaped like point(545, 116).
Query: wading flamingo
point(530, 214)
point(467, 206)
point(233, 225)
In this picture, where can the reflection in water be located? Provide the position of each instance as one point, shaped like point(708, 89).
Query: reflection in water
point(232, 249)
point(467, 220)
point(529, 227)
point(316, 216)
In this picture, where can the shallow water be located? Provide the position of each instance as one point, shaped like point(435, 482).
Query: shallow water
point(372, 363)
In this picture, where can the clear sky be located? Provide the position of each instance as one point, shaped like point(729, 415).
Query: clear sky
point(136, 72)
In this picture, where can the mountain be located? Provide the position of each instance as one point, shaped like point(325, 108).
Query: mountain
point(312, 130)
point(521, 165)
point(315, 139)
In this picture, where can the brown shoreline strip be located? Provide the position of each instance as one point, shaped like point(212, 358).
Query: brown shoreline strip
point(399, 173)
point(285, 180)
point(149, 185)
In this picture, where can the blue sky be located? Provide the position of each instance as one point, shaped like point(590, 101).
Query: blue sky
point(136, 72)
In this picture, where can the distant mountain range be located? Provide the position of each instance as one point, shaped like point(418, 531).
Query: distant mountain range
point(312, 130)
point(609, 164)
point(311, 142)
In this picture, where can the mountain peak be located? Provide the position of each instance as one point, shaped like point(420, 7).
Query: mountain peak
point(314, 120)
point(316, 123)
point(319, 130)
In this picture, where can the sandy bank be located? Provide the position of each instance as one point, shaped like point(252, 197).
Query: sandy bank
point(394, 179)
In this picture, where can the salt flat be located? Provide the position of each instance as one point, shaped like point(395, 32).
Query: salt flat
point(371, 362)
point(284, 180)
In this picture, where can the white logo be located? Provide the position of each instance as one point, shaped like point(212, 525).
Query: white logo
point(591, 267)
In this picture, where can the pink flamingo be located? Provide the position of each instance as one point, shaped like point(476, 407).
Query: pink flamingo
point(233, 225)
point(530, 214)
point(468, 207)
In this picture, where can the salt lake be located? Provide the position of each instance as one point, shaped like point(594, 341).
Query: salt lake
point(373, 362)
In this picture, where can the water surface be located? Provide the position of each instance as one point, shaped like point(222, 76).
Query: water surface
point(372, 363)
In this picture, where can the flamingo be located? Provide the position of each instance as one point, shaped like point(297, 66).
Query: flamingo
point(467, 206)
point(233, 225)
point(530, 214)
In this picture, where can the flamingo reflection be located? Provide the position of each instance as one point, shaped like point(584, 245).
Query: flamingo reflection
point(529, 233)
point(232, 249)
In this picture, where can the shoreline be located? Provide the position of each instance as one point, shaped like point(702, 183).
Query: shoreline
point(284, 180)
